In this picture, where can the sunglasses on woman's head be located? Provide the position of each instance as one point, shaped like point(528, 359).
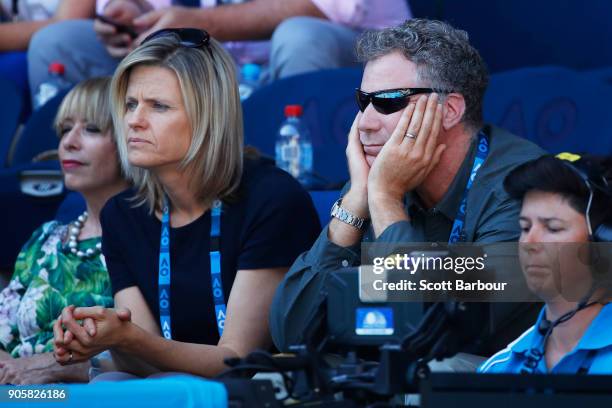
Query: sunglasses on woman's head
point(187, 37)
point(389, 101)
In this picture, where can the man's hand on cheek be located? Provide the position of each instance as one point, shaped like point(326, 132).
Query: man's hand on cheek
point(410, 153)
point(355, 157)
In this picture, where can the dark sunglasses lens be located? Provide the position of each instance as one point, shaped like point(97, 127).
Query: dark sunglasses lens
point(362, 100)
point(156, 34)
point(188, 37)
point(387, 106)
point(193, 38)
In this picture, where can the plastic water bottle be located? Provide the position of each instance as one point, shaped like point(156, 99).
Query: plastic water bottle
point(50, 88)
point(293, 148)
point(249, 74)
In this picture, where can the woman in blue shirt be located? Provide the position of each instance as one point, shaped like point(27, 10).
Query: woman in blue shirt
point(565, 217)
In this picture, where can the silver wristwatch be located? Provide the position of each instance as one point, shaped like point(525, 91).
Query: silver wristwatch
point(347, 217)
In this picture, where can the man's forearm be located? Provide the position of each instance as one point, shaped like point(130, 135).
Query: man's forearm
point(4, 355)
point(44, 369)
point(16, 36)
point(71, 373)
point(253, 20)
point(342, 234)
point(386, 211)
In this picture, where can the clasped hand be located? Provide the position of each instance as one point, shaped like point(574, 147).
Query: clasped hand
point(81, 333)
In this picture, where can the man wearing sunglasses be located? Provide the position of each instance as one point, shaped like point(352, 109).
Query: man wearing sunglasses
point(418, 154)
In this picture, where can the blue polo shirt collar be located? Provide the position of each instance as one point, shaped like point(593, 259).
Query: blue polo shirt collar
point(597, 335)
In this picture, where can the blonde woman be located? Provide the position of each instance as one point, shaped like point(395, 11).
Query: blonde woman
point(62, 264)
point(196, 251)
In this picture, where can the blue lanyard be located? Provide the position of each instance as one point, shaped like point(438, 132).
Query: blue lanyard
point(215, 269)
point(481, 155)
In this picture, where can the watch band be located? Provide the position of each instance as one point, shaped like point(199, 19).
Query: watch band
point(348, 217)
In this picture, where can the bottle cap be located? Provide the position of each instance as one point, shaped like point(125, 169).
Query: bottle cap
point(293, 110)
point(251, 72)
point(57, 68)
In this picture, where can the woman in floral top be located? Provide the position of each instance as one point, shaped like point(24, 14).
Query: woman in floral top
point(62, 265)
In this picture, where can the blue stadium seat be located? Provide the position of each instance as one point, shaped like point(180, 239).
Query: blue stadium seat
point(520, 33)
point(38, 134)
point(323, 201)
point(431, 9)
point(11, 104)
point(31, 188)
point(557, 108)
point(29, 196)
point(329, 110)
point(14, 68)
point(603, 74)
point(72, 206)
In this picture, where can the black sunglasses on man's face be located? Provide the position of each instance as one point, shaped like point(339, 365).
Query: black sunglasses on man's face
point(389, 101)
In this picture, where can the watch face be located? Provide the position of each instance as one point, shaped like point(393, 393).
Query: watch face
point(345, 216)
point(334, 209)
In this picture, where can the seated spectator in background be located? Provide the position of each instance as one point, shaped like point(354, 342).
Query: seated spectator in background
point(230, 225)
point(306, 35)
point(18, 25)
point(62, 265)
point(411, 151)
point(17, 29)
point(573, 334)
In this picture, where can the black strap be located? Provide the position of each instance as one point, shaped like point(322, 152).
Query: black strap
point(587, 363)
point(545, 328)
point(187, 3)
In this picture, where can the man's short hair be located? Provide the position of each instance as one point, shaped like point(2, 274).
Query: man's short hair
point(444, 57)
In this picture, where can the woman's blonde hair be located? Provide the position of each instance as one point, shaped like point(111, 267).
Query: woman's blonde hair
point(210, 94)
point(89, 101)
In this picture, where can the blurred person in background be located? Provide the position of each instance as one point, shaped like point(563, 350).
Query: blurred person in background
point(564, 250)
point(20, 19)
point(305, 35)
point(19, 24)
point(197, 249)
point(61, 264)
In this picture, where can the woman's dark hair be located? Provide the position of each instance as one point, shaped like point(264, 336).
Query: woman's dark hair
point(553, 175)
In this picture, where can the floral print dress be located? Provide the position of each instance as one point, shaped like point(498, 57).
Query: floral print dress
point(47, 278)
